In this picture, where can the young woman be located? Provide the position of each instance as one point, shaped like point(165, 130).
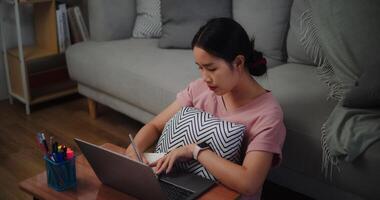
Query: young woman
point(226, 60)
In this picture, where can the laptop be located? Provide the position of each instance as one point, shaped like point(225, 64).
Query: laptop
point(138, 179)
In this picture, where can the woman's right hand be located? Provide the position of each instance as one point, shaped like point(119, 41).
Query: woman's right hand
point(131, 154)
point(151, 131)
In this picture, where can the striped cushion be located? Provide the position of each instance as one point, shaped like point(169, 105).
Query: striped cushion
point(148, 19)
point(191, 125)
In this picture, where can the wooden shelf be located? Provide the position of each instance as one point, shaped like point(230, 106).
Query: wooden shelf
point(46, 63)
point(32, 53)
point(41, 74)
point(48, 77)
point(54, 91)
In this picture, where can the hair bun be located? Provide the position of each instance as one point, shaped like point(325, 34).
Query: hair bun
point(259, 64)
point(261, 61)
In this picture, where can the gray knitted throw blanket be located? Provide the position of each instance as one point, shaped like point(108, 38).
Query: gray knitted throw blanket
point(339, 54)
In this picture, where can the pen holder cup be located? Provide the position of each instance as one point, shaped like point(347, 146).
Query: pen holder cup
point(61, 175)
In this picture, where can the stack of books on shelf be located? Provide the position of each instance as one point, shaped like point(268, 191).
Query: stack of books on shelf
point(71, 27)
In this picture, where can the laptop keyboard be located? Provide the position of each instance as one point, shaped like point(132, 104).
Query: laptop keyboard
point(174, 192)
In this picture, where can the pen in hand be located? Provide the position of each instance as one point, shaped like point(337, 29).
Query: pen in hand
point(135, 148)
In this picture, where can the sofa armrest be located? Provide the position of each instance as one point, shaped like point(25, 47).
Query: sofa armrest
point(111, 19)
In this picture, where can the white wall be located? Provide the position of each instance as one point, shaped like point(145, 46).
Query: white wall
point(9, 29)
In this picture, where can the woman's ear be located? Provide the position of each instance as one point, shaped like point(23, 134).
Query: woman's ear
point(239, 62)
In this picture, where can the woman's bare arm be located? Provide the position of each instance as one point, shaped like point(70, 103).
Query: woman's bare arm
point(247, 178)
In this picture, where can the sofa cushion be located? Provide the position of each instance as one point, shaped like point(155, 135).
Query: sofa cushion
point(267, 21)
point(181, 19)
point(111, 19)
point(133, 70)
point(191, 125)
point(296, 52)
point(148, 19)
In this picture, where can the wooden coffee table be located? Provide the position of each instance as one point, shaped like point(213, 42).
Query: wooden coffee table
point(89, 186)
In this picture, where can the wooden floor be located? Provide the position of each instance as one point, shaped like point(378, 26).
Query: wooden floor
point(65, 119)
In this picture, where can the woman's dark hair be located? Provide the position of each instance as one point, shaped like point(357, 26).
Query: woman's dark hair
point(226, 39)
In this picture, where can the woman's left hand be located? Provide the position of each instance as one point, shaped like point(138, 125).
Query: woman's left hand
point(166, 163)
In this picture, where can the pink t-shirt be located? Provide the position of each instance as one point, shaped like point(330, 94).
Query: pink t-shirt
point(262, 117)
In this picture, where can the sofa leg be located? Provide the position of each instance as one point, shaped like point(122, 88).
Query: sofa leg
point(91, 108)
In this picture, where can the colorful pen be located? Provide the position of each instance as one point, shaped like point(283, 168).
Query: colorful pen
point(44, 142)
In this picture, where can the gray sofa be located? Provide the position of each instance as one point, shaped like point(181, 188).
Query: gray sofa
point(139, 79)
